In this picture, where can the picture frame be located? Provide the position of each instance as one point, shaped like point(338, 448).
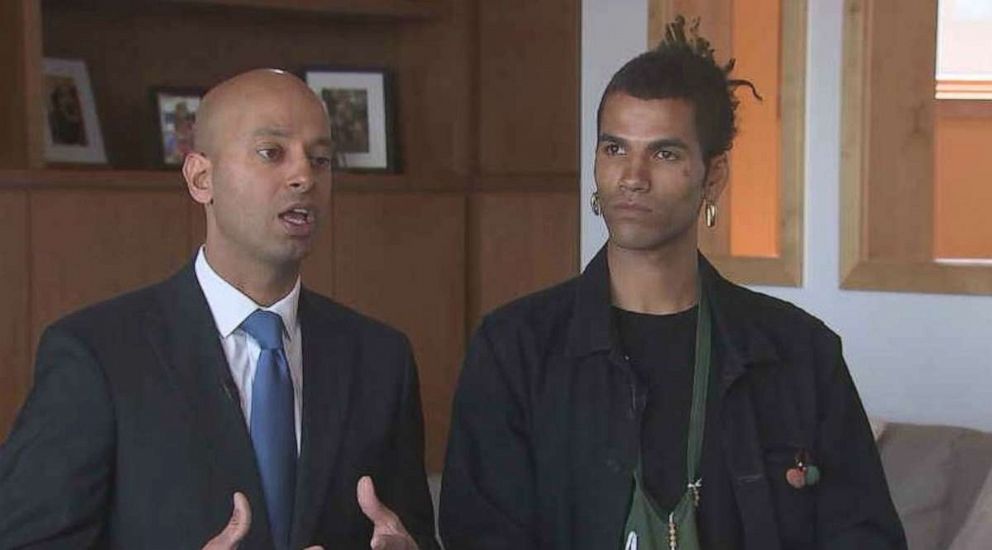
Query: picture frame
point(360, 105)
point(175, 113)
point(72, 128)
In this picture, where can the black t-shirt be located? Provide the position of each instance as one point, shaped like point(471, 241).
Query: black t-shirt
point(661, 350)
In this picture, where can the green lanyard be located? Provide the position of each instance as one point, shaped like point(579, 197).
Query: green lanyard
point(647, 527)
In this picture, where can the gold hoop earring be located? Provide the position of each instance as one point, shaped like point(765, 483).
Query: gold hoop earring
point(710, 211)
point(594, 203)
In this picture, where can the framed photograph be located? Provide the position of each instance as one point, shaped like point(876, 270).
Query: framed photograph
point(359, 103)
point(175, 111)
point(72, 129)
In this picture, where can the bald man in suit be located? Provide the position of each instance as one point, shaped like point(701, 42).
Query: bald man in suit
point(152, 411)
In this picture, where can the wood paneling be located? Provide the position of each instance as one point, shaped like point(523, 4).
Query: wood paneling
point(20, 87)
point(562, 183)
point(130, 49)
point(400, 257)
point(756, 168)
point(401, 9)
point(436, 97)
point(15, 369)
point(962, 194)
point(88, 179)
point(528, 86)
point(900, 119)
point(87, 246)
point(519, 243)
point(887, 154)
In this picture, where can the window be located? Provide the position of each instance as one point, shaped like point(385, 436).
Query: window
point(916, 132)
point(758, 239)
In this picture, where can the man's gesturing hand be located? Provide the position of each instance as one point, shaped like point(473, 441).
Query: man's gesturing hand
point(388, 532)
point(236, 528)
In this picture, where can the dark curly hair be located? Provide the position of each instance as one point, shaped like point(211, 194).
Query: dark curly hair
point(683, 67)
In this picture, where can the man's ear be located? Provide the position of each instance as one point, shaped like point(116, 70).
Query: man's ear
point(717, 174)
point(197, 172)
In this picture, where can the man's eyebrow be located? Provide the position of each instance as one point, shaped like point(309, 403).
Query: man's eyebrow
point(653, 146)
point(324, 141)
point(610, 137)
point(270, 132)
point(666, 143)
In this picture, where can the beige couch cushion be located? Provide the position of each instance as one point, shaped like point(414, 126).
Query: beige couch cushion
point(976, 533)
point(935, 474)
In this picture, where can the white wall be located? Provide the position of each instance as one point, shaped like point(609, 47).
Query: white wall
point(915, 357)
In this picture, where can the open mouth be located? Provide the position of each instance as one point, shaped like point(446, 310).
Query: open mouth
point(298, 216)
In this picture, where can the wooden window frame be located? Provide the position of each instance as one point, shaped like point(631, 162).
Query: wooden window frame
point(786, 268)
point(891, 142)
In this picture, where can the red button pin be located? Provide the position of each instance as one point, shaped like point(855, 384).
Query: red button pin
point(796, 477)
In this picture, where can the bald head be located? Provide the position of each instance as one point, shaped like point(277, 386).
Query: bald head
point(222, 107)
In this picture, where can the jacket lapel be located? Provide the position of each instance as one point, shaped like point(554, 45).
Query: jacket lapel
point(741, 345)
point(330, 355)
point(184, 336)
point(739, 342)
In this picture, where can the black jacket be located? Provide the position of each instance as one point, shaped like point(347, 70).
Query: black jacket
point(133, 436)
point(546, 426)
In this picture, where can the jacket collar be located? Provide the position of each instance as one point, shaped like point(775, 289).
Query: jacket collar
point(735, 328)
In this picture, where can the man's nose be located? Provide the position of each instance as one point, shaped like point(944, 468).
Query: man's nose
point(302, 174)
point(635, 175)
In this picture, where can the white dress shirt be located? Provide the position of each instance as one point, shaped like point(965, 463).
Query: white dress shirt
point(230, 307)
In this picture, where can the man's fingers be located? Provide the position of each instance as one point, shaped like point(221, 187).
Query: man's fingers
point(236, 528)
point(392, 542)
point(388, 532)
point(370, 505)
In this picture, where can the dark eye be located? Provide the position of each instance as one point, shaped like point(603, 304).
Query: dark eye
point(612, 149)
point(270, 154)
point(320, 162)
point(667, 154)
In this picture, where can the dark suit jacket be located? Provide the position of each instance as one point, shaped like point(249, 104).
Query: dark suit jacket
point(133, 435)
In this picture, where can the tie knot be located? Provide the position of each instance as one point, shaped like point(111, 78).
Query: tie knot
point(265, 327)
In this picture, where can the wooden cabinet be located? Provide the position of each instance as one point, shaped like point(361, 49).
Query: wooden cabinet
point(132, 47)
point(404, 247)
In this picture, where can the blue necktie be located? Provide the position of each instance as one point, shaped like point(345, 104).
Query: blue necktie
point(272, 424)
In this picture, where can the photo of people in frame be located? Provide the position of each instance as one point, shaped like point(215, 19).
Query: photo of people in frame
point(72, 129)
point(358, 103)
point(176, 115)
point(65, 113)
point(349, 113)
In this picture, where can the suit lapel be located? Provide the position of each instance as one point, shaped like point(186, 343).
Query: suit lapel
point(184, 336)
point(330, 355)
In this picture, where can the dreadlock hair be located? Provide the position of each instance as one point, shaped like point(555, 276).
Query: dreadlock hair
point(683, 67)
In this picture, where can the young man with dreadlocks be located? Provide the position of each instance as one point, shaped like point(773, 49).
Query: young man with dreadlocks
point(649, 403)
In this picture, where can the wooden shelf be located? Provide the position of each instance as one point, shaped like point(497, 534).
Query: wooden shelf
point(62, 178)
point(390, 9)
point(397, 10)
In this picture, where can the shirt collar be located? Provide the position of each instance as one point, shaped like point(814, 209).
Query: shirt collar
point(230, 307)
